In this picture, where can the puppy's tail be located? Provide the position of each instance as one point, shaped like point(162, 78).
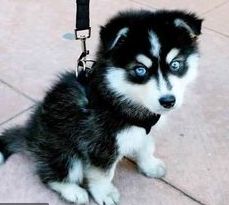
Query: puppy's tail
point(11, 141)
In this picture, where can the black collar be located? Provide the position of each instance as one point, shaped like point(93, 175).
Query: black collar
point(147, 123)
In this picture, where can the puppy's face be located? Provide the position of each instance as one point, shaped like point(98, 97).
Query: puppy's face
point(150, 58)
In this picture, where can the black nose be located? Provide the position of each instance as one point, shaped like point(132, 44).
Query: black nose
point(167, 101)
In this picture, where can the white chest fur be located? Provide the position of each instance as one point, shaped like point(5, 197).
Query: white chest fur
point(131, 140)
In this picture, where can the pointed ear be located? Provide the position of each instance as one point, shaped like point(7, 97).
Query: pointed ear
point(113, 37)
point(190, 23)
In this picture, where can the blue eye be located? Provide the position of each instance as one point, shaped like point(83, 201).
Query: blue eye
point(175, 66)
point(140, 71)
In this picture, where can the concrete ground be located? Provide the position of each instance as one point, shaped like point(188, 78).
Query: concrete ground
point(194, 143)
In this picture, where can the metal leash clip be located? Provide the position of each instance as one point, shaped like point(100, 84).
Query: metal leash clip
point(84, 64)
point(81, 62)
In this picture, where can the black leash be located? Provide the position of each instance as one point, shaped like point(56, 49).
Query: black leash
point(82, 18)
point(82, 33)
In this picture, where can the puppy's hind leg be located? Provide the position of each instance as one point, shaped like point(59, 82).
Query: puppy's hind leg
point(68, 187)
point(101, 187)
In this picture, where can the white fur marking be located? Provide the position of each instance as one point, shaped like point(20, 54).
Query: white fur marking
point(183, 24)
point(155, 44)
point(171, 55)
point(130, 140)
point(70, 192)
point(146, 94)
point(1, 158)
point(122, 32)
point(162, 83)
point(75, 174)
point(144, 60)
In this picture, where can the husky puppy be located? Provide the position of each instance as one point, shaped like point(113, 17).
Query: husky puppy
point(85, 125)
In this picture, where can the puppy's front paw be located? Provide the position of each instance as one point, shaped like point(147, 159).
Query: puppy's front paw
point(71, 192)
point(153, 168)
point(105, 194)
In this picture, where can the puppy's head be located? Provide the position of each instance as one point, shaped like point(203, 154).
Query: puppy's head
point(148, 57)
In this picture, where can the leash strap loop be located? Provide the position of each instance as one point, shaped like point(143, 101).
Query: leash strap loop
point(83, 29)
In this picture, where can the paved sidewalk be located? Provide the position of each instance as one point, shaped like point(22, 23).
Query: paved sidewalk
point(195, 141)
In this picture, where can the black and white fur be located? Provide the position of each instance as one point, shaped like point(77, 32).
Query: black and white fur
point(85, 126)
